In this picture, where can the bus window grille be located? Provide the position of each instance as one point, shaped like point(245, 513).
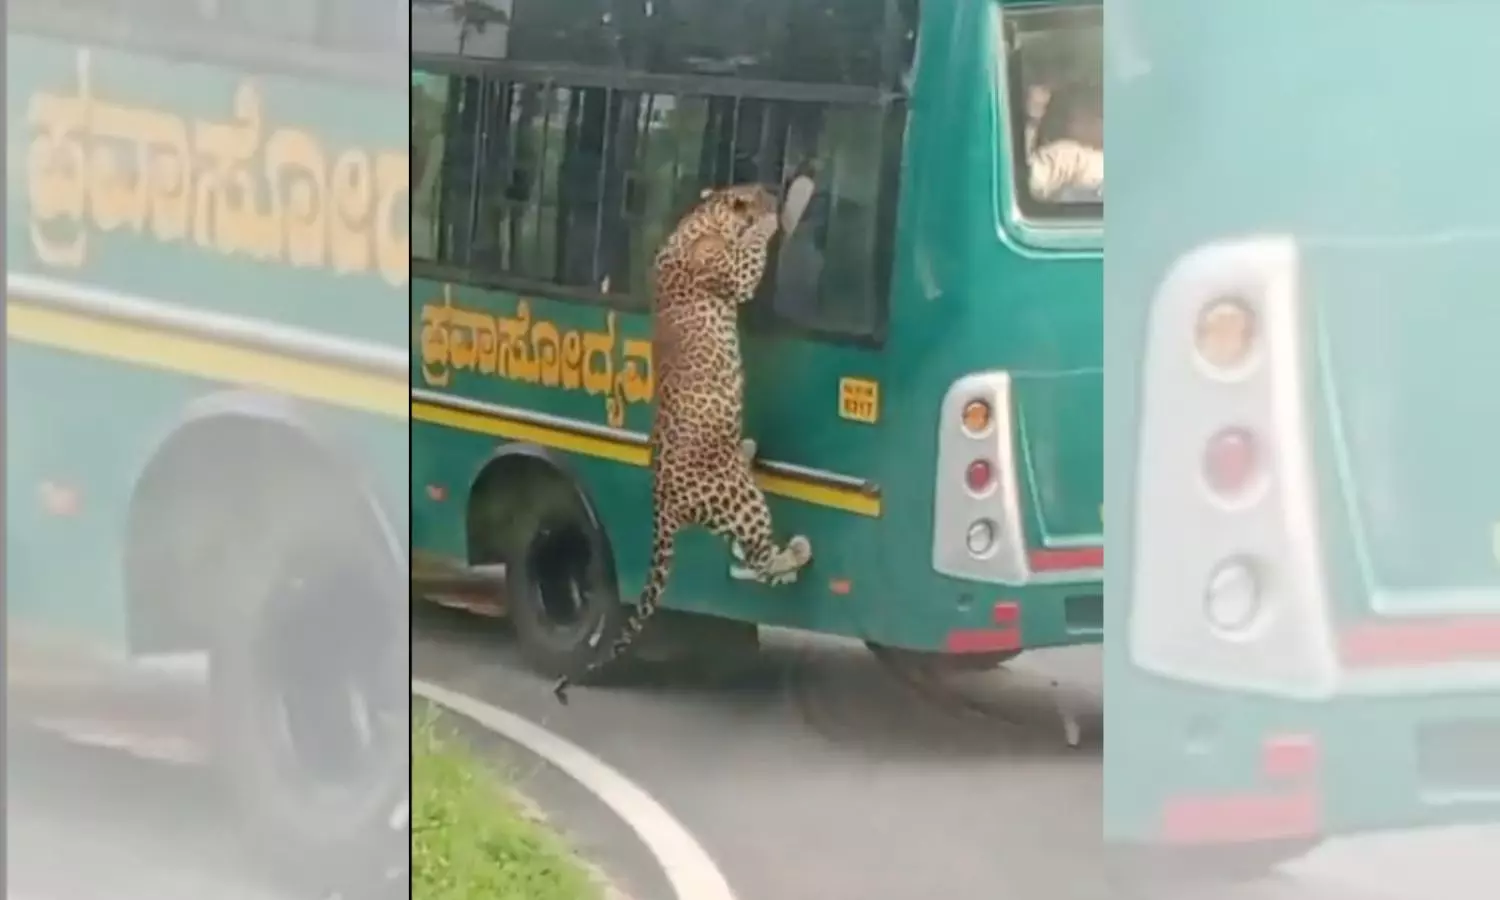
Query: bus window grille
point(543, 163)
point(603, 195)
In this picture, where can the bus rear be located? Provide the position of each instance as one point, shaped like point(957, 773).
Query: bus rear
point(999, 341)
point(1306, 629)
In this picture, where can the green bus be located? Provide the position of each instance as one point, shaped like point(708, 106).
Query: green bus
point(1304, 630)
point(206, 403)
point(922, 361)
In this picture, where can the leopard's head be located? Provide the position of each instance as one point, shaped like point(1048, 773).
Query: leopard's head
point(734, 216)
point(705, 253)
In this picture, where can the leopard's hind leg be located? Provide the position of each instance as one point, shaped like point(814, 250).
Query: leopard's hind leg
point(748, 449)
point(743, 517)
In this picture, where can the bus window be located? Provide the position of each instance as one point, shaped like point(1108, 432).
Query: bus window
point(429, 107)
point(1054, 71)
point(567, 160)
point(832, 269)
point(567, 190)
point(445, 129)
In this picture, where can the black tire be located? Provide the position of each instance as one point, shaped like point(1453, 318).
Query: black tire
point(931, 664)
point(312, 637)
point(562, 598)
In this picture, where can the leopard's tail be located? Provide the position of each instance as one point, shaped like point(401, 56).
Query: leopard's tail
point(663, 548)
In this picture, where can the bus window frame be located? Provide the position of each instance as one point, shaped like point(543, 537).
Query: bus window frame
point(1025, 231)
point(202, 43)
point(761, 318)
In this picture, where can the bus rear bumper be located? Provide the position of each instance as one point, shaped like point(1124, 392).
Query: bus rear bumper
point(1232, 771)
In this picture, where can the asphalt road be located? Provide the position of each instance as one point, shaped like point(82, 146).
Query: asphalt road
point(94, 824)
point(814, 774)
point(817, 774)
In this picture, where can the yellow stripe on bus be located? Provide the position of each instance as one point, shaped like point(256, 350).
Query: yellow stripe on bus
point(500, 426)
point(339, 386)
point(212, 360)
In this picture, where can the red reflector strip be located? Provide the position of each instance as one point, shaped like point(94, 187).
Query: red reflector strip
point(1241, 818)
point(1069, 560)
point(983, 640)
point(1418, 642)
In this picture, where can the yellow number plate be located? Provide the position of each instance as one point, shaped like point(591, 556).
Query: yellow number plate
point(859, 400)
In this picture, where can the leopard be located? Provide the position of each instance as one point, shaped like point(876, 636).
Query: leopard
point(710, 265)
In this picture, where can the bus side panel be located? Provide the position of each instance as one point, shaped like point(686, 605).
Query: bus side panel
point(323, 234)
point(72, 456)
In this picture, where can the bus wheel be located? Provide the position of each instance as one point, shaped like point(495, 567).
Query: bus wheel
point(926, 663)
point(564, 605)
point(310, 710)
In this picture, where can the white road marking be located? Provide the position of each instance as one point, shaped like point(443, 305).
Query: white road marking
point(688, 867)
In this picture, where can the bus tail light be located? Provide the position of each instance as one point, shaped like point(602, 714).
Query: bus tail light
point(1227, 580)
point(981, 537)
point(1232, 599)
point(1225, 334)
point(1231, 461)
point(979, 476)
point(977, 531)
point(976, 417)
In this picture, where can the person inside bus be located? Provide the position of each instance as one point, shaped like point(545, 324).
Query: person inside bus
point(1037, 96)
point(1067, 164)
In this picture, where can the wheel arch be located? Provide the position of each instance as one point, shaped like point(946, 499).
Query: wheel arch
point(516, 484)
point(221, 446)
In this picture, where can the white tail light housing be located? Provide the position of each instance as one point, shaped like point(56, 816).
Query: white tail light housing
point(977, 532)
point(1228, 587)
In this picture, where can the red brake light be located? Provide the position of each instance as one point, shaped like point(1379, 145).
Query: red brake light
point(1230, 461)
point(979, 475)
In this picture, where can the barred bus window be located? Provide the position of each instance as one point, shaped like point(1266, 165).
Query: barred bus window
point(445, 134)
point(831, 271)
point(429, 106)
point(503, 231)
point(571, 190)
point(516, 222)
point(664, 178)
point(579, 185)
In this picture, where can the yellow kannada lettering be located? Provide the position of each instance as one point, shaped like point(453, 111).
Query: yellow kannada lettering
point(535, 351)
point(232, 187)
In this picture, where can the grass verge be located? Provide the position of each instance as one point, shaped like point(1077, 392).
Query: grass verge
point(470, 840)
